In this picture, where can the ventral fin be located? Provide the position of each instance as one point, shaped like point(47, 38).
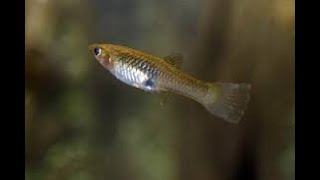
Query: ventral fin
point(174, 59)
point(164, 98)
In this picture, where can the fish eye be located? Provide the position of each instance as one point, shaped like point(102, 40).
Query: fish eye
point(97, 51)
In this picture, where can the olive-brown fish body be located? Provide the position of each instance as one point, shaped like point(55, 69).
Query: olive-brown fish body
point(155, 74)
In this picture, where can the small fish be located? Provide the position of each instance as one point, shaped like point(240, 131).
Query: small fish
point(163, 74)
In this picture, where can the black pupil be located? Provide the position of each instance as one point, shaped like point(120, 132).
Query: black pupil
point(96, 51)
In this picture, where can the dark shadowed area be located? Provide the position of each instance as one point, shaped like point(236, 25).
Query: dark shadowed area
point(83, 124)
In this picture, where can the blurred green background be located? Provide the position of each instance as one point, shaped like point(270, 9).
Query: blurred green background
point(81, 123)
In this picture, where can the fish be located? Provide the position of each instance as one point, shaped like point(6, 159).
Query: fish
point(155, 74)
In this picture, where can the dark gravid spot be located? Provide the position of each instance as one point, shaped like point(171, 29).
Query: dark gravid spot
point(150, 83)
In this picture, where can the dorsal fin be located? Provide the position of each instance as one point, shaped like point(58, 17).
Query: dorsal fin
point(174, 59)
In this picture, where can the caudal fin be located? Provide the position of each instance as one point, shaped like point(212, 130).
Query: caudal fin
point(228, 100)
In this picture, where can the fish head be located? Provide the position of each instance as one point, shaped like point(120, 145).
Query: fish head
point(102, 54)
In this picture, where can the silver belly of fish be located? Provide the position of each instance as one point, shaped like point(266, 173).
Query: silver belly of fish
point(133, 76)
